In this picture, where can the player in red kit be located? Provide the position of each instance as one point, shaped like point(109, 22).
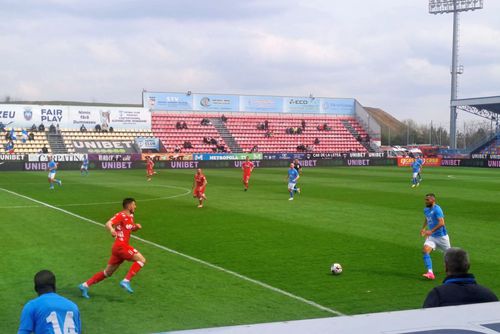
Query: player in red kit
point(199, 185)
point(247, 168)
point(120, 227)
point(150, 165)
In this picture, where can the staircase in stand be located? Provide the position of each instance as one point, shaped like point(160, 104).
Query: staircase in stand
point(56, 142)
point(226, 135)
point(355, 134)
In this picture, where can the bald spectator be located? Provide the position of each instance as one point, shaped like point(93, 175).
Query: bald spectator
point(459, 287)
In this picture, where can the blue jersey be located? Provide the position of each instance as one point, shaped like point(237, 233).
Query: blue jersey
point(420, 161)
point(51, 314)
point(415, 166)
point(52, 166)
point(432, 215)
point(292, 175)
point(85, 162)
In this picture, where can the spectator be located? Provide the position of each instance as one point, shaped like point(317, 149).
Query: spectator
point(2, 127)
point(24, 135)
point(316, 141)
point(223, 118)
point(58, 129)
point(178, 125)
point(45, 150)
point(97, 128)
point(52, 128)
point(41, 127)
point(12, 135)
point(205, 121)
point(83, 128)
point(111, 129)
point(326, 127)
point(31, 136)
point(359, 138)
point(254, 149)
point(266, 125)
point(301, 148)
point(184, 125)
point(303, 123)
point(187, 144)
point(9, 147)
point(299, 131)
point(260, 126)
point(367, 138)
point(7, 135)
point(33, 128)
point(105, 127)
point(49, 305)
point(459, 287)
point(269, 134)
point(177, 149)
point(214, 141)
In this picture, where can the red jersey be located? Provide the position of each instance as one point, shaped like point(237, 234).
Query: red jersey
point(124, 225)
point(200, 180)
point(247, 167)
point(150, 164)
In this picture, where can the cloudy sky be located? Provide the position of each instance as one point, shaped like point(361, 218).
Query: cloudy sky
point(388, 53)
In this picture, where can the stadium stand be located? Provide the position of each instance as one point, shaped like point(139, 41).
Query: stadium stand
point(165, 126)
point(491, 147)
point(29, 146)
point(117, 135)
point(251, 133)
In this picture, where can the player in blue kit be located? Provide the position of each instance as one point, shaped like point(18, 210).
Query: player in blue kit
point(52, 166)
point(434, 231)
point(85, 166)
point(293, 176)
point(415, 167)
point(421, 162)
point(49, 312)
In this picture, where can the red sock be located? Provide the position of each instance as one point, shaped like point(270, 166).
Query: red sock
point(136, 266)
point(96, 278)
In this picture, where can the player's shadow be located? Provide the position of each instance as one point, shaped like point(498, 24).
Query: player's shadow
point(75, 295)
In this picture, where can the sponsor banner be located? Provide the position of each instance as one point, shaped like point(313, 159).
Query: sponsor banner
point(12, 157)
point(56, 157)
point(479, 156)
point(115, 164)
point(167, 101)
point(493, 163)
point(227, 156)
point(261, 103)
point(167, 156)
point(73, 117)
point(327, 155)
point(428, 162)
point(283, 156)
point(215, 102)
point(337, 106)
point(247, 103)
point(148, 143)
point(104, 146)
point(114, 157)
point(302, 105)
point(451, 162)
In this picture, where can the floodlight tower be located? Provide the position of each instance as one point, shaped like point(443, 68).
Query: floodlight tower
point(455, 7)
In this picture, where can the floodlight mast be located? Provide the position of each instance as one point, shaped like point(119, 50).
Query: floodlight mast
point(455, 7)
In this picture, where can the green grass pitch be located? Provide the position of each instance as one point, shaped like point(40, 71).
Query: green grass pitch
point(367, 219)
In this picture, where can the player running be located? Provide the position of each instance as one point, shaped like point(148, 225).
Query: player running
point(150, 165)
point(434, 231)
point(247, 168)
point(421, 162)
point(52, 167)
point(120, 226)
point(415, 167)
point(85, 166)
point(293, 176)
point(199, 186)
point(298, 167)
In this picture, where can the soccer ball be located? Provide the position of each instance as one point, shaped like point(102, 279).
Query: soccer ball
point(336, 269)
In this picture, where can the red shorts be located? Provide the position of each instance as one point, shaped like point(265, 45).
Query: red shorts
point(149, 172)
point(246, 177)
point(199, 191)
point(120, 253)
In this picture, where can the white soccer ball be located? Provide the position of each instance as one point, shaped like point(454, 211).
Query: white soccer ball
point(336, 269)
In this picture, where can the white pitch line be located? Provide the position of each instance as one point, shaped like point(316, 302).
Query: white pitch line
point(189, 257)
point(187, 191)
